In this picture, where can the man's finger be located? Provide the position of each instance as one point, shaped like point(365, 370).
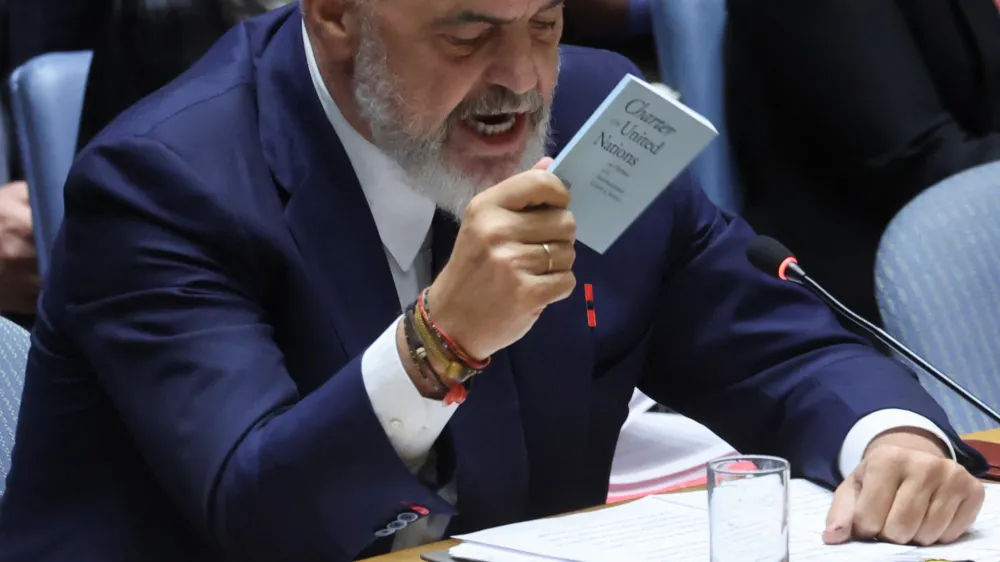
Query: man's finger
point(909, 508)
point(543, 164)
point(533, 188)
point(943, 508)
point(547, 289)
point(544, 225)
point(967, 511)
point(841, 515)
point(560, 255)
point(882, 477)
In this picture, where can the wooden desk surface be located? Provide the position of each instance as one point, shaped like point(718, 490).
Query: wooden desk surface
point(413, 554)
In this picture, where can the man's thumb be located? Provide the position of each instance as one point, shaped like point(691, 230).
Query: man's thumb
point(840, 520)
point(543, 164)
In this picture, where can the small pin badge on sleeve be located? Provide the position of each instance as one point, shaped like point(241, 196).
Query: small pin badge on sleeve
point(588, 292)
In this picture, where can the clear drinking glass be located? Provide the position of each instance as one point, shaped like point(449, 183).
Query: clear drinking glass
point(748, 509)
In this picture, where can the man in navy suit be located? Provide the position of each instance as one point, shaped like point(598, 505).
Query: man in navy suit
point(221, 368)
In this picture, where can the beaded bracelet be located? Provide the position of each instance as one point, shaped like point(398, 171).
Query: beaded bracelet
point(418, 353)
point(424, 307)
point(455, 373)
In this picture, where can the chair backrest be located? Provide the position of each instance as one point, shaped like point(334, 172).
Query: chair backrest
point(6, 147)
point(938, 287)
point(14, 344)
point(46, 102)
point(689, 40)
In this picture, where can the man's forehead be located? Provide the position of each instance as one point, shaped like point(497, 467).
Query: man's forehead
point(464, 11)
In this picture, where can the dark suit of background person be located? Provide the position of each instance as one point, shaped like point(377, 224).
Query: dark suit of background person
point(195, 384)
point(623, 26)
point(139, 45)
point(841, 111)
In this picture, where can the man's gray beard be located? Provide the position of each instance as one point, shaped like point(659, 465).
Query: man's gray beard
point(421, 156)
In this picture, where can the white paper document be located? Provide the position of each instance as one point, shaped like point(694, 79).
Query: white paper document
point(635, 532)
point(674, 528)
point(659, 451)
point(638, 405)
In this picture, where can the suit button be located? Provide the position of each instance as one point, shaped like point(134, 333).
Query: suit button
point(408, 517)
point(396, 525)
point(381, 533)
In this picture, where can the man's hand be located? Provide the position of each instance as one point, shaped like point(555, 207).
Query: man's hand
point(498, 281)
point(19, 282)
point(905, 491)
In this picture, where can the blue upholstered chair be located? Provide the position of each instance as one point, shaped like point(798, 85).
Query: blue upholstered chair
point(6, 146)
point(46, 102)
point(14, 343)
point(938, 287)
point(689, 38)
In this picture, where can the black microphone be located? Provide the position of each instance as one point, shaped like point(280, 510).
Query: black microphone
point(771, 257)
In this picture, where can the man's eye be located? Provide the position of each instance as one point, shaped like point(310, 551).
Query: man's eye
point(544, 25)
point(467, 41)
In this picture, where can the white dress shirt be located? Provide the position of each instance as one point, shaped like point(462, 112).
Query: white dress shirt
point(412, 422)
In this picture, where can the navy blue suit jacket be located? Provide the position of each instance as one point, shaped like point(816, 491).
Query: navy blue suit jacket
point(194, 390)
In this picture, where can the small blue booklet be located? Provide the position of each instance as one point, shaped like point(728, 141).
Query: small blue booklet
point(624, 156)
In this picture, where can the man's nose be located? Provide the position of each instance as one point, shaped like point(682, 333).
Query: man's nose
point(514, 66)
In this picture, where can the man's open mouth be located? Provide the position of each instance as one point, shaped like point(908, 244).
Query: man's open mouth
point(492, 124)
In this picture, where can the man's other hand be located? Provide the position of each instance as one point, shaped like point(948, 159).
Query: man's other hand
point(905, 491)
point(19, 282)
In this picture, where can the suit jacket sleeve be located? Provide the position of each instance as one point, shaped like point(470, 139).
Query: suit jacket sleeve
point(850, 76)
point(763, 362)
point(168, 309)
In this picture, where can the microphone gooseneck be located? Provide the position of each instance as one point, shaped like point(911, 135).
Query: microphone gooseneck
point(771, 257)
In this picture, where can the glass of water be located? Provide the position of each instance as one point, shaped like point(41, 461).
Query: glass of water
point(748, 509)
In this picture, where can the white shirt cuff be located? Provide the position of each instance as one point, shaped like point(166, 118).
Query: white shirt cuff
point(877, 423)
point(412, 422)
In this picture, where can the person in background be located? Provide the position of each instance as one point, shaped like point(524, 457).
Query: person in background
point(138, 46)
point(842, 111)
point(19, 281)
point(624, 26)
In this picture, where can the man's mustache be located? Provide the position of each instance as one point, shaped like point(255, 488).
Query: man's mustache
point(501, 100)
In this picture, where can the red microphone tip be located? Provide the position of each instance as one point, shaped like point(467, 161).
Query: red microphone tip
point(784, 267)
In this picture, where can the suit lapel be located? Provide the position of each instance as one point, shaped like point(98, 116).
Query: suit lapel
point(326, 211)
point(983, 19)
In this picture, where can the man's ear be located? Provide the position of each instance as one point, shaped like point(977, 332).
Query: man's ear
point(334, 23)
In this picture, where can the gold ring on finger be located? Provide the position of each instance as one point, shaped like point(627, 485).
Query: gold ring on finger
point(548, 253)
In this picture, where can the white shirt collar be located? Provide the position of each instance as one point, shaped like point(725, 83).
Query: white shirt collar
point(403, 217)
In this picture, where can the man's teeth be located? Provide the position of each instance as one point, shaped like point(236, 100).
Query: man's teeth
point(497, 128)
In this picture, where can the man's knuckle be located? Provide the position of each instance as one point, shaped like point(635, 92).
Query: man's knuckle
point(494, 233)
point(568, 224)
point(896, 534)
point(499, 256)
point(975, 490)
point(569, 285)
point(865, 527)
point(474, 208)
point(571, 256)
